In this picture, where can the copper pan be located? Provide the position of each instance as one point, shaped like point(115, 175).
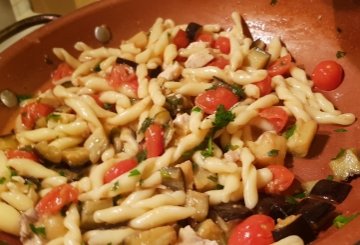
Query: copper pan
point(312, 30)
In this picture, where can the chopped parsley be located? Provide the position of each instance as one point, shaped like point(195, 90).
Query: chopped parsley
point(299, 195)
point(54, 117)
point(145, 124)
point(196, 109)
point(290, 131)
point(340, 154)
point(273, 2)
point(13, 172)
point(236, 89)
point(229, 147)
point(107, 106)
point(342, 220)
point(165, 173)
point(134, 172)
point(340, 54)
point(141, 156)
point(340, 130)
point(97, 68)
point(2, 180)
point(208, 152)
point(273, 153)
point(23, 97)
point(222, 117)
point(293, 199)
point(40, 230)
point(213, 178)
point(116, 186)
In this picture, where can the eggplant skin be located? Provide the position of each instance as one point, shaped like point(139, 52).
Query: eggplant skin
point(275, 207)
point(299, 227)
point(231, 211)
point(331, 190)
point(126, 62)
point(192, 30)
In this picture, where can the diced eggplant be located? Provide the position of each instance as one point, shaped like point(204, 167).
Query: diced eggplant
point(48, 153)
point(318, 213)
point(8, 142)
point(153, 73)
point(126, 62)
point(258, 43)
point(163, 235)
point(231, 211)
point(199, 201)
point(331, 190)
point(346, 165)
point(299, 141)
point(87, 212)
point(294, 225)
point(294, 189)
point(188, 173)
point(203, 180)
point(209, 230)
point(275, 207)
point(257, 58)
point(192, 30)
point(76, 156)
point(173, 178)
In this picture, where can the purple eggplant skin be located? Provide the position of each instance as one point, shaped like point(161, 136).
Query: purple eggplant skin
point(299, 227)
point(192, 31)
point(231, 211)
point(317, 212)
point(153, 73)
point(126, 62)
point(331, 190)
point(275, 206)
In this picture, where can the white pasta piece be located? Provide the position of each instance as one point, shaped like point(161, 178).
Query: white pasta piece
point(109, 236)
point(245, 77)
point(251, 90)
point(37, 135)
point(10, 219)
point(189, 141)
point(208, 122)
point(83, 111)
point(297, 110)
point(84, 68)
point(130, 48)
point(141, 73)
point(97, 172)
point(325, 104)
point(107, 63)
point(236, 56)
point(155, 92)
point(113, 97)
point(101, 53)
point(153, 63)
point(117, 214)
point(17, 200)
point(161, 216)
point(140, 39)
point(264, 102)
point(299, 74)
point(72, 222)
point(170, 53)
point(152, 181)
point(30, 168)
point(328, 118)
point(83, 185)
point(192, 48)
point(237, 29)
point(241, 120)
point(211, 27)
point(193, 89)
point(195, 120)
point(172, 71)
point(62, 54)
point(249, 176)
point(66, 142)
point(274, 48)
point(51, 182)
point(293, 240)
point(176, 198)
point(155, 31)
point(77, 128)
point(99, 112)
point(108, 153)
point(95, 83)
point(81, 46)
point(96, 144)
point(161, 43)
point(130, 114)
point(131, 146)
point(198, 59)
point(56, 241)
point(137, 196)
point(61, 92)
point(263, 176)
point(301, 86)
point(206, 73)
point(164, 160)
point(144, 56)
point(214, 164)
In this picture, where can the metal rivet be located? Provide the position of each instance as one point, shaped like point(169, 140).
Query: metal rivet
point(8, 98)
point(102, 34)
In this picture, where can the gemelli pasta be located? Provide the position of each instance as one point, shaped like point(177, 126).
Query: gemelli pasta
point(161, 140)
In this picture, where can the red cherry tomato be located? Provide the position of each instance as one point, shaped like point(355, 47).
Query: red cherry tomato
point(280, 66)
point(282, 179)
point(219, 61)
point(63, 70)
point(181, 40)
point(154, 140)
point(123, 75)
point(254, 230)
point(327, 75)
point(206, 37)
point(118, 169)
point(276, 116)
point(223, 44)
point(33, 111)
point(57, 198)
point(209, 100)
point(264, 86)
point(22, 154)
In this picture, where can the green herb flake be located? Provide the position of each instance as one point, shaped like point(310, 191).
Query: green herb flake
point(342, 220)
point(340, 154)
point(208, 152)
point(340, 54)
point(165, 173)
point(13, 172)
point(340, 130)
point(40, 230)
point(330, 177)
point(222, 117)
point(291, 200)
point(236, 89)
point(196, 109)
point(213, 178)
point(2, 180)
point(53, 116)
point(97, 68)
point(273, 153)
point(145, 124)
point(23, 97)
point(108, 106)
point(273, 2)
point(141, 156)
point(116, 186)
point(299, 195)
point(62, 173)
point(290, 131)
point(134, 172)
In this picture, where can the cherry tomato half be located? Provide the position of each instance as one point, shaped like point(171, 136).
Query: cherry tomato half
point(118, 169)
point(57, 198)
point(154, 140)
point(327, 75)
point(282, 179)
point(254, 230)
point(181, 40)
point(277, 116)
point(264, 86)
point(223, 44)
point(63, 70)
point(219, 61)
point(22, 154)
point(280, 66)
point(123, 75)
point(33, 111)
point(209, 100)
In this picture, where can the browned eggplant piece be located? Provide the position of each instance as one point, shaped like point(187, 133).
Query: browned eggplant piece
point(8, 142)
point(318, 213)
point(199, 201)
point(163, 235)
point(231, 211)
point(153, 73)
point(76, 156)
point(257, 58)
point(48, 153)
point(192, 30)
point(275, 206)
point(331, 190)
point(87, 212)
point(294, 225)
point(258, 43)
point(173, 178)
point(126, 62)
point(208, 229)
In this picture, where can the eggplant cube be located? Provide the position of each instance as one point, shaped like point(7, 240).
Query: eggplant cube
point(331, 190)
